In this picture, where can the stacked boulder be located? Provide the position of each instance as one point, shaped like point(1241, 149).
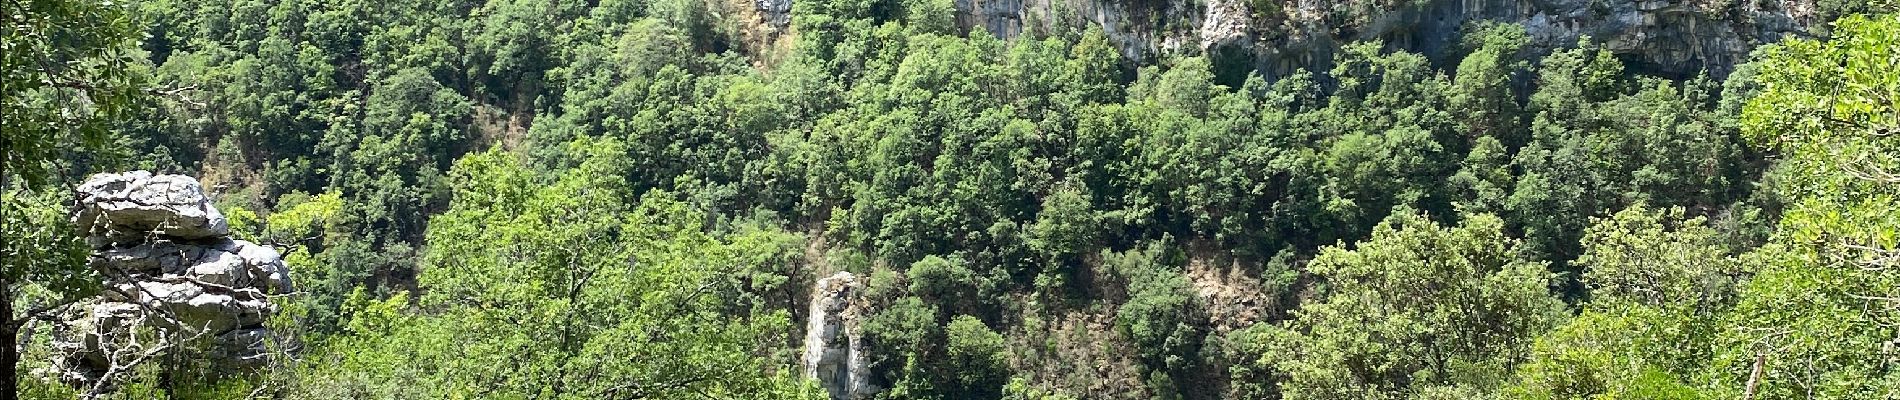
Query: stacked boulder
point(171, 271)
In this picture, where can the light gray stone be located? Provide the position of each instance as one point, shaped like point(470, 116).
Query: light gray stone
point(246, 347)
point(835, 352)
point(135, 205)
point(170, 266)
point(1668, 37)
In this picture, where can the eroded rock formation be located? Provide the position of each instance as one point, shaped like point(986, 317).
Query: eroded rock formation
point(173, 278)
point(834, 347)
point(1670, 37)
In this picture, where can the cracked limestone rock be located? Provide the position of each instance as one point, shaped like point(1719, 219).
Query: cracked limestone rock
point(171, 269)
point(835, 351)
point(130, 206)
point(1669, 37)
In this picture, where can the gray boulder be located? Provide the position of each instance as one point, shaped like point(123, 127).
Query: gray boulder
point(136, 205)
point(170, 268)
point(221, 261)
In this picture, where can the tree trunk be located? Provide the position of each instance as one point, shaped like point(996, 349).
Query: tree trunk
point(10, 353)
point(1754, 377)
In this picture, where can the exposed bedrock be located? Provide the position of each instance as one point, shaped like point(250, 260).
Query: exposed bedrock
point(1669, 37)
point(171, 273)
point(834, 346)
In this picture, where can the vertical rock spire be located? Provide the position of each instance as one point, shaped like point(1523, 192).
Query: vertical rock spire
point(834, 346)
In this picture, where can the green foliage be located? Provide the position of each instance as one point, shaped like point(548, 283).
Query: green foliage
point(1484, 179)
point(947, 280)
point(1658, 284)
point(1809, 317)
point(1414, 310)
point(303, 217)
point(1249, 374)
point(1019, 390)
point(1482, 87)
point(514, 45)
point(1830, 10)
point(69, 76)
point(1162, 318)
point(586, 276)
point(975, 354)
point(41, 252)
point(1596, 147)
point(1618, 353)
point(930, 16)
point(1654, 258)
point(905, 331)
point(624, 198)
point(1067, 224)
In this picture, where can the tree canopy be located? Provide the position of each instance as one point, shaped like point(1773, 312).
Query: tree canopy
point(632, 199)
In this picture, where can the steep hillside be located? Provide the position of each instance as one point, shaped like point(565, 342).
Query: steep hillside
point(872, 199)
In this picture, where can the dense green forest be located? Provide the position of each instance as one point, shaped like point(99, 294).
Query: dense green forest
point(520, 199)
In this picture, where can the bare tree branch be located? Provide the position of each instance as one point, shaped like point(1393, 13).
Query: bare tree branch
point(138, 354)
point(37, 312)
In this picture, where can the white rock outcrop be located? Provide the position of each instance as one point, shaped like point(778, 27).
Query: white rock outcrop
point(834, 347)
point(170, 268)
point(1669, 37)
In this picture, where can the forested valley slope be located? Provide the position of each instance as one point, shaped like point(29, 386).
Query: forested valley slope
point(951, 199)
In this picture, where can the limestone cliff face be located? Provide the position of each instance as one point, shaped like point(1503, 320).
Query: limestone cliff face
point(1670, 37)
point(173, 277)
point(834, 347)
